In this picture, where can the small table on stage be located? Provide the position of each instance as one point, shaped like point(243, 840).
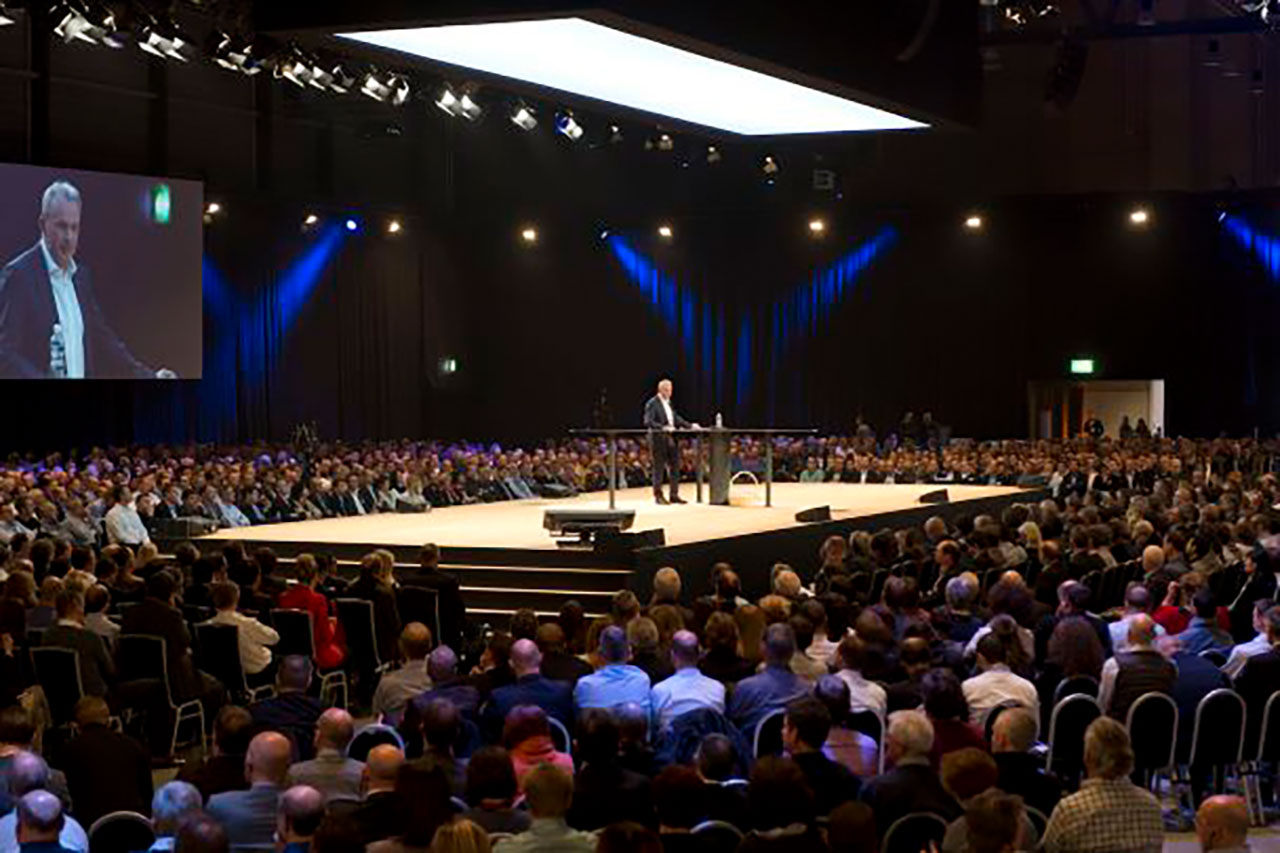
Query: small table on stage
point(719, 438)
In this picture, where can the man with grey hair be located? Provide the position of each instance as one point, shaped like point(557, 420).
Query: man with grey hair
point(912, 785)
point(51, 324)
point(28, 773)
point(40, 823)
point(1109, 812)
point(301, 810)
point(170, 805)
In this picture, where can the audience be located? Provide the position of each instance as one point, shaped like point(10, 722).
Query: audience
point(1141, 669)
point(223, 769)
point(172, 804)
point(303, 595)
point(1222, 824)
point(40, 823)
point(1020, 772)
point(107, 771)
point(530, 688)
point(423, 789)
point(527, 737)
point(687, 689)
point(28, 773)
point(301, 811)
point(331, 772)
point(397, 687)
point(996, 684)
point(805, 727)
point(491, 792)
point(254, 637)
point(771, 689)
point(249, 816)
point(782, 809)
point(549, 793)
point(604, 791)
point(912, 785)
point(380, 813)
point(292, 711)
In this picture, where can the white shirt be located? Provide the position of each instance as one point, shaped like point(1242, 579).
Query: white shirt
point(666, 407)
point(125, 527)
point(62, 282)
point(72, 837)
point(1025, 637)
point(1241, 653)
point(254, 638)
point(863, 693)
point(686, 690)
point(984, 692)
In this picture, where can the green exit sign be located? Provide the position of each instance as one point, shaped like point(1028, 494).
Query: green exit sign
point(161, 204)
point(1082, 365)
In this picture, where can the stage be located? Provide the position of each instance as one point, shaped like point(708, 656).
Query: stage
point(506, 559)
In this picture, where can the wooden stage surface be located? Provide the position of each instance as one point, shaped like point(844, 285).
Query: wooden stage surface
point(518, 524)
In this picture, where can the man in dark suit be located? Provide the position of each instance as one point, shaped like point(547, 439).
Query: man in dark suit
point(604, 792)
point(660, 418)
point(557, 663)
point(107, 771)
point(912, 785)
point(249, 817)
point(531, 688)
point(224, 769)
point(291, 711)
point(381, 813)
point(44, 292)
point(428, 575)
point(158, 616)
point(69, 632)
point(1021, 772)
point(804, 730)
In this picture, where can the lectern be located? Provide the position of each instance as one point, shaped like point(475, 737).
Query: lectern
point(718, 439)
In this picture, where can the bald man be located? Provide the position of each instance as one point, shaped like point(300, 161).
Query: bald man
point(531, 688)
point(379, 814)
point(249, 817)
point(301, 810)
point(1138, 670)
point(40, 822)
point(28, 772)
point(331, 772)
point(1222, 825)
point(398, 686)
point(688, 689)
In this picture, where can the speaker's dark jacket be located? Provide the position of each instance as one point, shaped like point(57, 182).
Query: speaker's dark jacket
point(656, 418)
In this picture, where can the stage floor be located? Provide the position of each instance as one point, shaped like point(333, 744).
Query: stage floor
point(518, 524)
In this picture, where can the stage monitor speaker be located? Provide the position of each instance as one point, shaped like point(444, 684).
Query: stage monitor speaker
point(615, 545)
point(589, 521)
point(936, 497)
point(817, 513)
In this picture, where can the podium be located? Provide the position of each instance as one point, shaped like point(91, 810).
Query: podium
point(718, 440)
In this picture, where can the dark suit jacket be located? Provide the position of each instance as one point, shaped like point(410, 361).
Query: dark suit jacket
point(107, 772)
point(379, 815)
point(27, 316)
point(554, 697)
point(906, 789)
point(832, 783)
point(1256, 682)
point(562, 666)
point(249, 817)
point(215, 774)
point(96, 669)
point(1023, 774)
point(452, 612)
point(609, 794)
point(155, 617)
point(292, 714)
point(656, 418)
point(386, 616)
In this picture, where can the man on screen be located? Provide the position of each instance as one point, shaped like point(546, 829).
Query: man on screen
point(661, 418)
point(51, 325)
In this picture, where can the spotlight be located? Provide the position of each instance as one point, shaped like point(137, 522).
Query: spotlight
point(448, 101)
point(615, 135)
point(567, 126)
point(394, 227)
point(296, 70)
point(769, 166)
point(973, 222)
point(604, 233)
point(82, 23)
point(341, 80)
point(524, 117)
point(311, 220)
point(1139, 216)
point(213, 208)
point(529, 235)
point(468, 108)
point(352, 225)
point(393, 89)
point(817, 227)
point(235, 54)
point(661, 142)
point(6, 16)
point(162, 42)
point(665, 232)
point(713, 155)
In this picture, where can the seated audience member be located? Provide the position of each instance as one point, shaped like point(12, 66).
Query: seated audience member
point(428, 574)
point(249, 816)
point(804, 732)
point(201, 833)
point(96, 601)
point(291, 711)
point(1108, 813)
point(996, 822)
point(771, 689)
point(107, 771)
point(446, 683)
point(254, 637)
point(643, 637)
point(494, 669)
point(605, 792)
point(912, 785)
point(331, 772)
point(948, 713)
point(549, 793)
point(460, 836)
point(329, 648)
point(1007, 597)
point(423, 788)
point(441, 730)
point(716, 762)
point(996, 684)
point(634, 751)
point(300, 813)
point(617, 681)
point(376, 585)
point(530, 688)
point(863, 694)
point(823, 649)
point(380, 814)
point(1222, 824)
point(781, 808)
point(1142, 669)
point(1259, 678)
point(396, 687)
point(159, 616)
point(846, 746)
point(967, 774)
point(628, 837)
point(527, 737)
point(18, 735)
point(223, 769)
point(1259, 644)
point(958, 622)
point(96, 667)
point(679, 797)
point(45, 611)
point(28, 773)
point(558, 663)
point(40, 823)
point(852, 829)
point(723, 660)
point(491, 792)
point(1202, 632)
point(688, 689)
point(1020, 772)
point(173, 803)
point(916, 658)
point(1137, 602)
point(801, 664)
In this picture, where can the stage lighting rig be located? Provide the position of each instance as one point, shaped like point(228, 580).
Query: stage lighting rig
point(295, 68)
point(235, 54)
point(6, 15)
point(661, 142)
point(615, 135)
point(88, 23)
point(567, 126)
point(713, 155)
point(769, 167)
point(162, 41)
point(524, 117)
point(458, 106)
point(390, 89)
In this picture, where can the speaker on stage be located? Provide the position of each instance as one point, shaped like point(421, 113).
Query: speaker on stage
point(817, 513)
point(936, 497)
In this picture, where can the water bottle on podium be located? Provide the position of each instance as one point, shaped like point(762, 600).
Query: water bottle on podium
point(719, 421)
point(57, 352)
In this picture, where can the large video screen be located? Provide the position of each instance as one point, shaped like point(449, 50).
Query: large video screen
point(99, 275)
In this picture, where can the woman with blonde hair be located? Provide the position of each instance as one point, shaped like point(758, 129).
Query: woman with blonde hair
point(461, 836)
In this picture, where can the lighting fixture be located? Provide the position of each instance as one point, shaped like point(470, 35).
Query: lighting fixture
point(973, 222)
point(713, 155)
point(567, 125)
point(342, 81)
point(162, 43)
point(524, 117)
point(447, 101)
point(352, 225)
point(665, 232)
point(467, 108)
point(296, 70)
point(392, 89)
point(311, 220)
point(661, 142)
point(769, 166)
point(615, 135)
point(817, 227)
point(394, 227)
point(1139, 216)
point(529, 235)
point(213, 208)
point(235, 55)
point(6, 16)
point(78, 22)
point(602, 63)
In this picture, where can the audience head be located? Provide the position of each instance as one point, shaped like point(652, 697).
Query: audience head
point(684, 649)
point(628, 837)
point(1108, 753)
point(381, 766)
point(910, 736)
point(293, 674)
point(779, 794)
point(442, 664)
point(268, 758)
point(461, 836)
point(779, 645)
point(172, 803)
point(92, 711)
point(1142, 631)
point(548, 791)
point(429, 556)
point(994, 822)
point(27, 772)
point(423, 788)
point(1222, 823)
point(334, 730)
point(852, 828)
point(490, 776)
point(1014, 730)
point(642, 635)
point(162, 586)
point(679, 796)
point(598, 737)
point(614, 648)
point(524, 624)
point(943, 695)
point(200, 833)
point(225, 596)
point(806, 724)
point(524, 722)
point(625, 607)
point(415, 641)
point(967, 772)
point(525, 658)
point(666, 585)
point(441, 725)
point(39, 818)
point(716, 758)
point(1152, 559)
point(300, 811)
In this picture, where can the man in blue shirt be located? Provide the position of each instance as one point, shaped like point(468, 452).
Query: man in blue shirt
point(688, 689)
point(40, 823)
point(617, 682)
point(772, 689)
point(1203, 632)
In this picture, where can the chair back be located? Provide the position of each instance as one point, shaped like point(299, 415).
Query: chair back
point(1217, 738)
point(1086, 684)
point(1153, 731)
point(993, 714)
point(295, 630)
point(870, 722)
point(374, 734)
point(420, 604)
point(142, 656)
point(1067, 724)
point(119, 831)
point(1217, 657)
point(717, 836)
point(768, 737)
point(914, 832)
point(356, 616)
point(1038, 820)
point(560, 736)
point(1269, 737)
point(57, 671)
point(218, 653)
point(197, 613)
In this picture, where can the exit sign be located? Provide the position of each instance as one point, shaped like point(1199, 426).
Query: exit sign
point(1082, 365)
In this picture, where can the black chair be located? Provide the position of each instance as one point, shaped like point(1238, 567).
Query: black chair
point(57, 671)
point(420, 604)
point(1217, 738)
point(1086, 684)
point(993, 714)
point(297, 638)
point(560, 736)
point(716, 836)
point(119, 831)
point(1038, 820)
point(143, 657)
point(194, 614)
point(1269, 751)
point(914, 832)
point(218, 653)
point(35, 637)
point(1067, 725)
point(356, 616)
point(1153, 731)
point(374, 734)
point(1112, 594)
point(768, 736)
point(870, 722)
point(1217, 657)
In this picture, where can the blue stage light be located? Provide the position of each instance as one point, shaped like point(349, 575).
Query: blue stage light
point(1264, 246)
